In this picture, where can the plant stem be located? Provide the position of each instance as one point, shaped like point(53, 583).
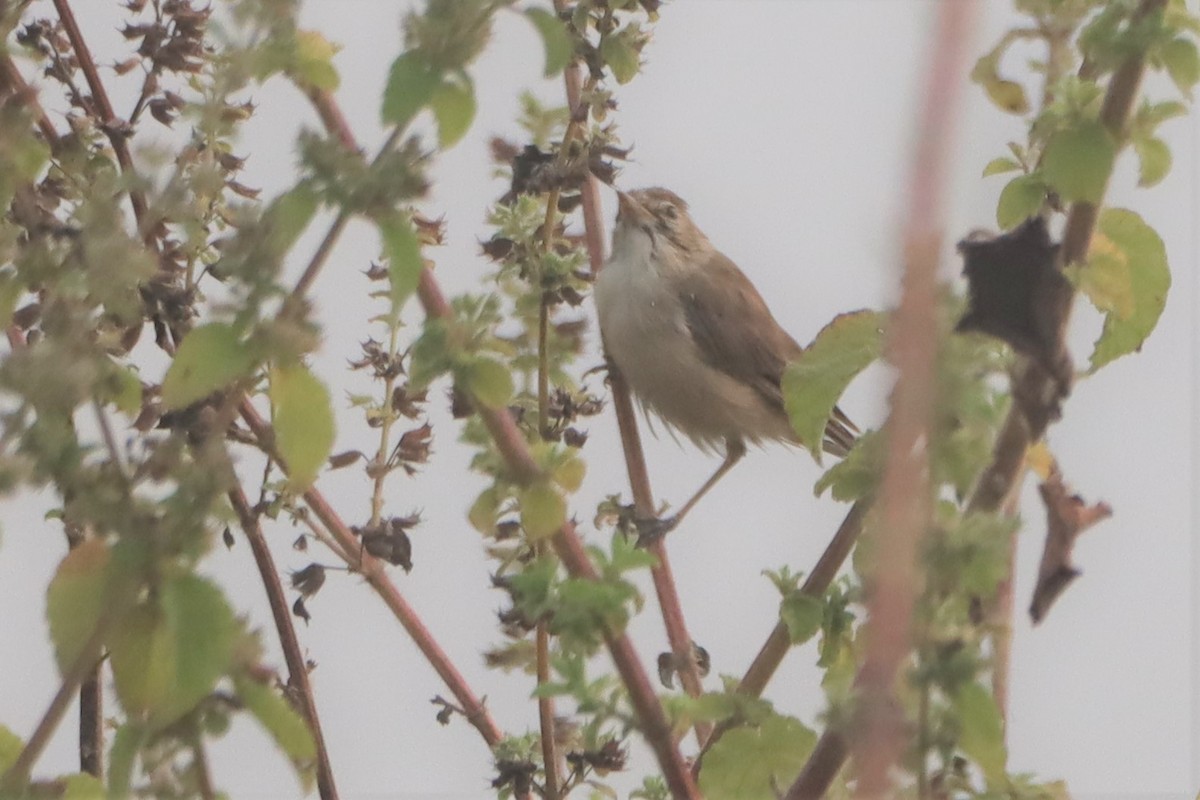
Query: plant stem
point(292, 654)
point(382, 469)
point(92, 75)
point(546, 715)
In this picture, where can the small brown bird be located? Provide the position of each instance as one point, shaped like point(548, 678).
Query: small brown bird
point(694, 339)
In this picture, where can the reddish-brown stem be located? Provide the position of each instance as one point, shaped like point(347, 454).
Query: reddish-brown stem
point(779, 642)
point(292, 654)
point(904, 500)
point(523, 469)
point(104, 106)
point(16, 84)
point(639, 478)
point(372, 569)
point(546, 721)
point(14, 780)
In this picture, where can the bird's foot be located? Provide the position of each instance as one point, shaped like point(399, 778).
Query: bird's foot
point(653, 529)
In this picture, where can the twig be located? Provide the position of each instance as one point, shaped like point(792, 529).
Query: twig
point(92, 75)
point(292, 654)
point(999, 481)
point(18, 86)
point(13, 782)
point(372, 569)
point(671, 608)
point(546, 715)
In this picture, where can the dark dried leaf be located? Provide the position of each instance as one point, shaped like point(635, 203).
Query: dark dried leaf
point(573, 437)
point(1067, 516)
point(309, 580)
point(1015, 293)
point(408, 403)
point(503, 151)
point(345, 459)
point(299, 609)
point(301, 543)
point(497, 248)
point(227, 537)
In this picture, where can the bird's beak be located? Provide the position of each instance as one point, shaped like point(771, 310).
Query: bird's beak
point(630, 210)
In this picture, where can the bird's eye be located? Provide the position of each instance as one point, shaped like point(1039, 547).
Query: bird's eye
point(669, 212)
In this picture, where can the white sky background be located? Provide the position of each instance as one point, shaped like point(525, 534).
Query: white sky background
point(788, 128)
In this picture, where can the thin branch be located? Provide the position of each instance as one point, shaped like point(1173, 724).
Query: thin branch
point(1000, 480)
point(17, 85)
point(671, 608)
point(292, 654)
point(373, 571)
point(13, 782)
point(100, 96)
point(546, 721)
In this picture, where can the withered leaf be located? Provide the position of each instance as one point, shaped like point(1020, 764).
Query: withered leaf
point(1067, 516)
point(1016, 292)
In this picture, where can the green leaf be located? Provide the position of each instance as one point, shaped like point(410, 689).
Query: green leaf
point(569, 473)
point(982, 733)
point(1182, 61)
point(75, 599)
point(814, 382)
point(1150, 280)
point(1077, 162)
point(210, 358)
point(286, 727)
point(856, 475)
point(126, 743)
point(168, 652)
point(302, 415)
point(750, 763)
point(543, 510)
point(802, 614)
point(554, 38)
point(1001, 165)
point(10, 748)
point(1154, 159)
point(1020, 199)
point(289, 216)
point(313, 61)
point(403, 250)
point(621, 56)
point(489, 382)
point(1106, 279)
point(453, 104)
point(81, 786)
point(410, 87)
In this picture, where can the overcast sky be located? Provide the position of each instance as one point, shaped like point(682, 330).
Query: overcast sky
point(787, 125)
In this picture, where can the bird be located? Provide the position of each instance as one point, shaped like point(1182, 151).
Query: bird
point(694, 340)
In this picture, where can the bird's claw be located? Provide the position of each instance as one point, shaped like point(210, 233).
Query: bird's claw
point(653, 529)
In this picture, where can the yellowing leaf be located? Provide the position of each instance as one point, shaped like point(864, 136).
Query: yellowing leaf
point(313, 65)
point(489, 382)
point(1007, 95)
point(543, 510)
point(569, 474)
point(1020, 199)
point(10, 748)
point(453, 104)
point(1077, 162)
point(1150, 280)
point(143, 660)
point(1154, 159)
point(813, 383)
point(484, 511)
point(1105, 279)
point(302, 415)
point(210, 358)
point(554, 39)
point(1039, 459)
point(75, 599)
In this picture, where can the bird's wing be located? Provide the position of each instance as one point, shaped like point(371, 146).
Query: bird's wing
point(733, 328)
point(737, 334)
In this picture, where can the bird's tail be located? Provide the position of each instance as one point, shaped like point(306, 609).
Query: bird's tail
point(840, 434)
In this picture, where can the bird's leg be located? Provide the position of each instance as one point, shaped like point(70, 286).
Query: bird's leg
point(651, 530)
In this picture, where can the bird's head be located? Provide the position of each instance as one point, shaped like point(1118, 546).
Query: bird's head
point(654, 223)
